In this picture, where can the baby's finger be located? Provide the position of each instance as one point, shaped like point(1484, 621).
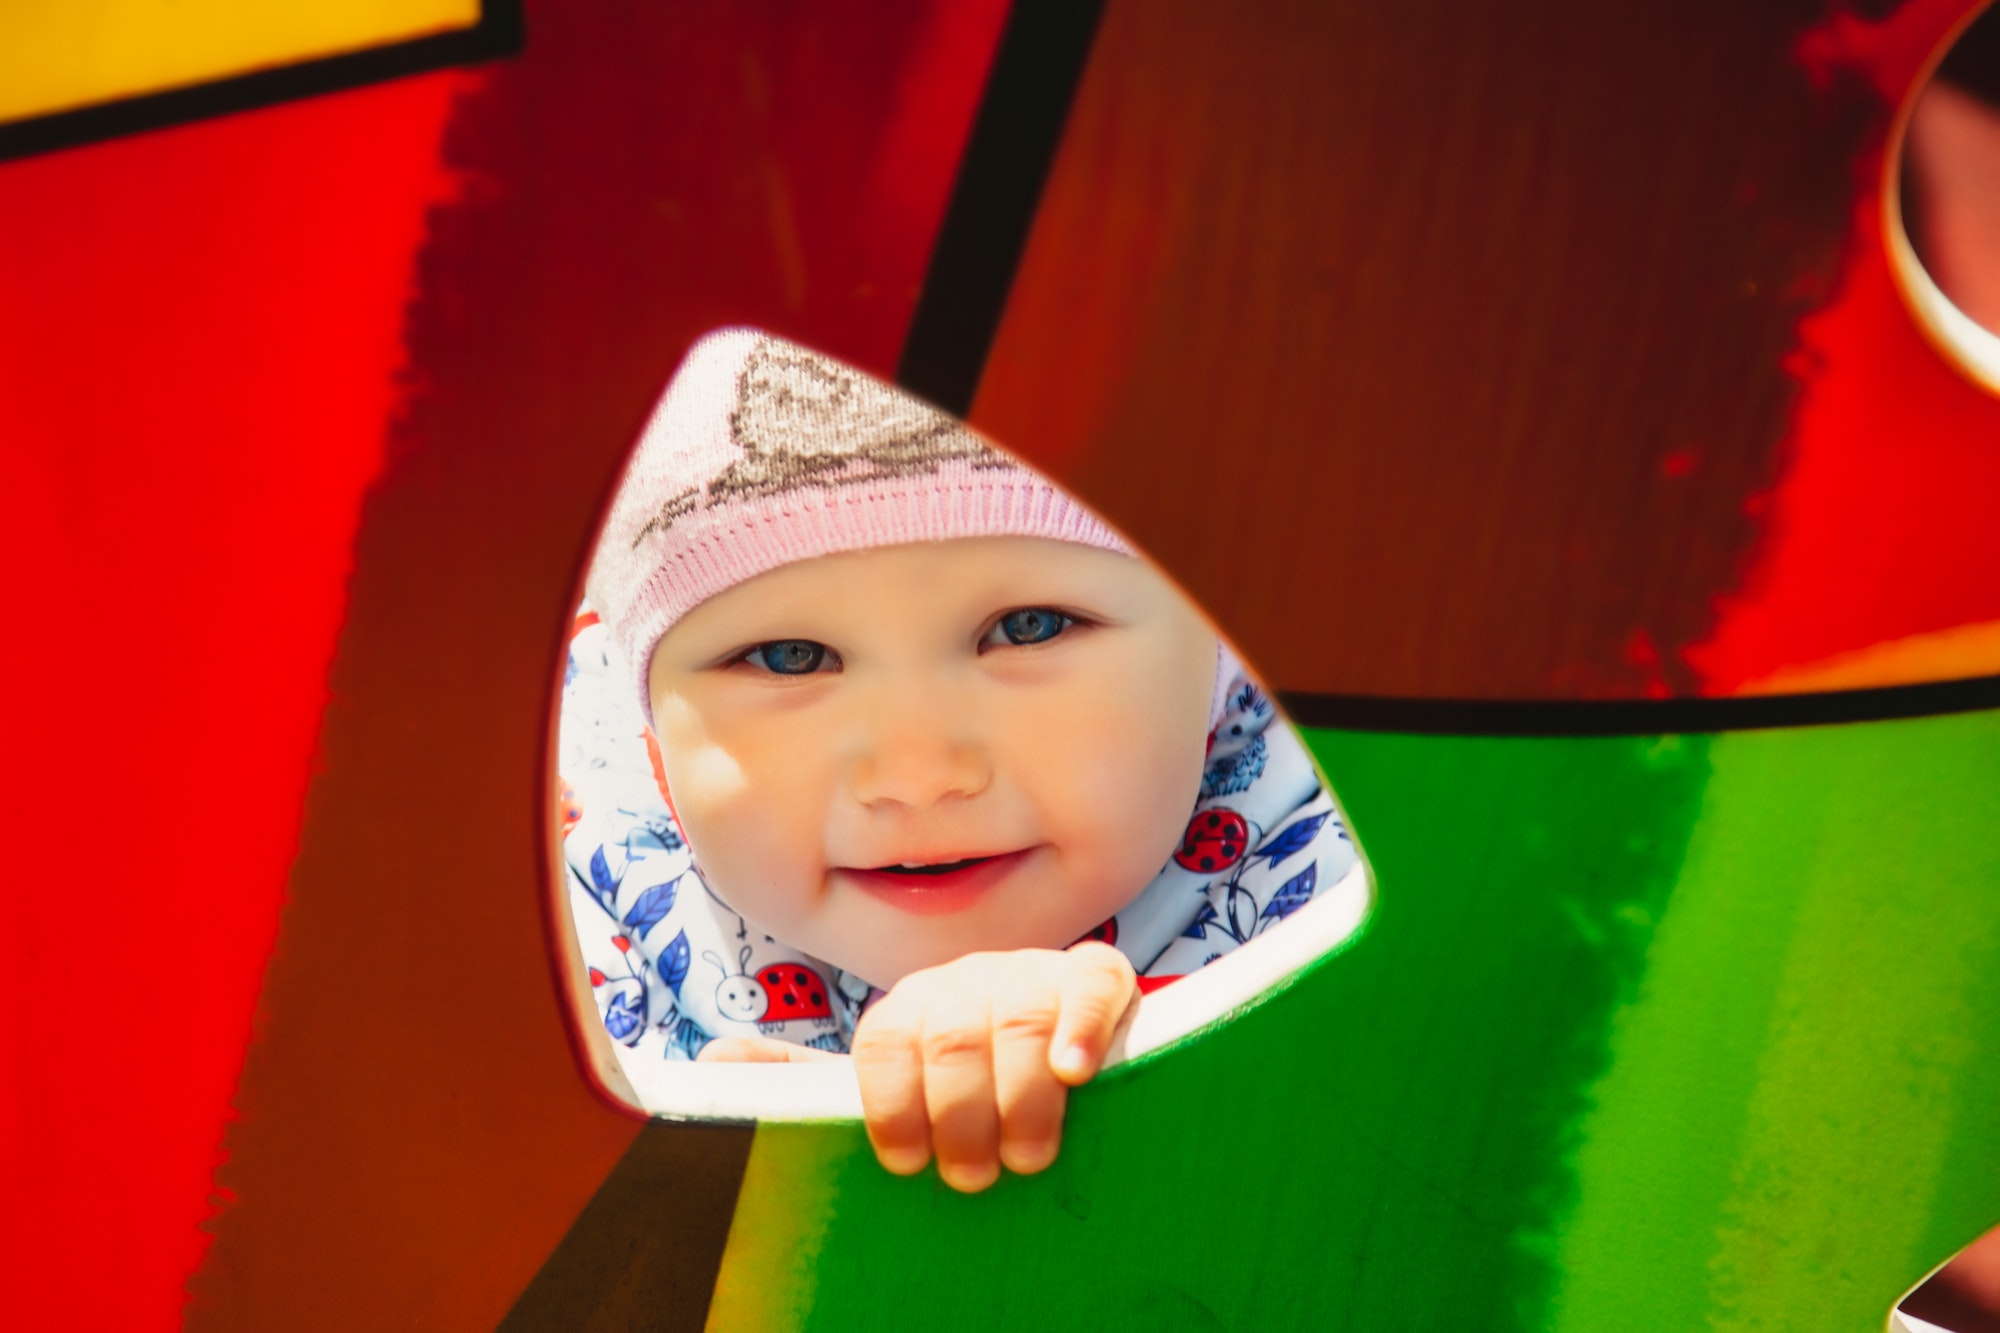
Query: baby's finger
point(1029, 1098)
point(1098, 986)
point(958, 1089)
point(889, 1066)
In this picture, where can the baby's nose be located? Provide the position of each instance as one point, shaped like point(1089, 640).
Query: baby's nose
point(917, 758)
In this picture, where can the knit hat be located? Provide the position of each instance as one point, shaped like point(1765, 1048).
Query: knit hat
point(761, 453)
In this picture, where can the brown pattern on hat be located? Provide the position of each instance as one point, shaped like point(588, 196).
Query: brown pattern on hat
point(683, 502)
point(802, 420)
point(807, 421)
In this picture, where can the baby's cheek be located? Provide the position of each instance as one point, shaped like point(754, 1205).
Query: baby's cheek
point(701, 770)
point(710, 774)
point(758, 839)
point(1162, 781)
point(1124, 798)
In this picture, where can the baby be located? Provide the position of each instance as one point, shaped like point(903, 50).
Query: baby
point(943, 776)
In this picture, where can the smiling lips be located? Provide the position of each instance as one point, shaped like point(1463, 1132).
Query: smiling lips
point(940, 887)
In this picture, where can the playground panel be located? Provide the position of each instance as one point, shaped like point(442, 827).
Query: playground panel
point(1570, 364)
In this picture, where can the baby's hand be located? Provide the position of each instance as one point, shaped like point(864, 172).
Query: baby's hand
point(973, 1060)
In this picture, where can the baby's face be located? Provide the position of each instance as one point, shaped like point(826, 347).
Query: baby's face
point(894, 757)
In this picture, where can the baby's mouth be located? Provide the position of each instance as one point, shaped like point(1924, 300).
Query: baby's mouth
point(934, 868)
point(936, 887)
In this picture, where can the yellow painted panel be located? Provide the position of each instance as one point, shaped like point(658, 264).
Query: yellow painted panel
point(58, 55)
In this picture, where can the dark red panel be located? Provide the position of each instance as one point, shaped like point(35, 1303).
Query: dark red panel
point(416, 1137)
point(1502, 351)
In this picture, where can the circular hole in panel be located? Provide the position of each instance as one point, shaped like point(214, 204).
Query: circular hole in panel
point(912, 702)
point(1944, 233)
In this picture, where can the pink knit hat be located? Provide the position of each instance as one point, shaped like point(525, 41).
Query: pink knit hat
point(761, 453)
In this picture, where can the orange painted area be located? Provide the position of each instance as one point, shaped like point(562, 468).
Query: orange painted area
point(199, 336)
point(1949, 654)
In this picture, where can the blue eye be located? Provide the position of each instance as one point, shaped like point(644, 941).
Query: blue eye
point(1031, 624)
point(789, 657)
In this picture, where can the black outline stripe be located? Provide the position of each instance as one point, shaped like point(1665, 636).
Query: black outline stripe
point(625, 1262)
point(1637, 717)
point(1036, 70)
point(500, 32)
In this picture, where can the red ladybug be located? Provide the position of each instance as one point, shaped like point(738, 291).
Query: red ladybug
point(1215, 840)
point(1104, 934)
point(568, 809)
point(794, 991)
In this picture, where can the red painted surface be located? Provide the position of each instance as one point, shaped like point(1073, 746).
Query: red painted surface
point(204, 358)
point(1882, 525)
point(199, 331)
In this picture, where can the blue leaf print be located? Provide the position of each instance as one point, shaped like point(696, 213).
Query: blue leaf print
point(652, 907)
point(653, 834)
point(1198, 928)
point(674, 963)
point(621, 1018)
point(1295, 893)
point(688, 1037)
point(1293, 839)
point(1242, 913)
point(601, 876)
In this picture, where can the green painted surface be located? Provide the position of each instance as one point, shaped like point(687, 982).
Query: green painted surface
point(1644, 1033)
point(1804, 1098)
point(784, 1206)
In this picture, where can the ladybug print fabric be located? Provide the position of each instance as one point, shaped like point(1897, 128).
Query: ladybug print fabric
point(794, 991)
point(1216, 840)
point(671, 967)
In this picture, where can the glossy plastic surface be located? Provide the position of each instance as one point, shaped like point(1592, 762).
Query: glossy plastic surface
point(1544, 351)
point(1658, 1032)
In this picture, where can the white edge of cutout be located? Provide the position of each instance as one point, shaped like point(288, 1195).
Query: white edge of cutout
point(1975, 348)
point(826, 1090)
point(1909, 1323)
